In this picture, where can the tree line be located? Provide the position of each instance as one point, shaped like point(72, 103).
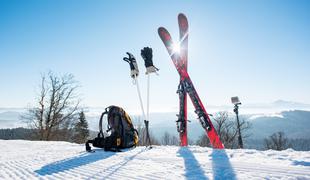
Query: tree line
point(78, 133)
point(276, 141)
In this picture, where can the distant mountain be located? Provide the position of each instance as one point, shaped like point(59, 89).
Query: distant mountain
point(279, 105)
point(295, 124)
point(10, 118)
point(290, 104)
point(290, 117)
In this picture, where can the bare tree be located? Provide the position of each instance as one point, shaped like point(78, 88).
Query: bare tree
point(165, 140)
point(190, 141)
point(277, 141)
point(168, 139)
point(56, 109)
point(203, 141)
point(226, 129)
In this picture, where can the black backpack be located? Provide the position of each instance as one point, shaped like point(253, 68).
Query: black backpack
point(123, 135)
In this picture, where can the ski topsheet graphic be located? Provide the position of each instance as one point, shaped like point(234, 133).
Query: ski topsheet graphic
point(178, 53)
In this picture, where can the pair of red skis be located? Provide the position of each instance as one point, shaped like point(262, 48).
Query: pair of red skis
point(186, 86)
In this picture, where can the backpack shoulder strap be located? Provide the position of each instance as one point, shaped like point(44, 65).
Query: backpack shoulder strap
point(100, 122)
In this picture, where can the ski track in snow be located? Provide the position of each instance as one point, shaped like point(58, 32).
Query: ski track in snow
point(61, 160)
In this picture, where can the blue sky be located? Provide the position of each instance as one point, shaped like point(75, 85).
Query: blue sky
point(258, 50)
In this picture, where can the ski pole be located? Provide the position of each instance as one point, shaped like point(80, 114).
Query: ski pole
point(147, 55)
point(139, 94)
point(134, 72)
point(148, 98)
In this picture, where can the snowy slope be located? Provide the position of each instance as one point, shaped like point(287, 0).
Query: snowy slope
point(61, 160)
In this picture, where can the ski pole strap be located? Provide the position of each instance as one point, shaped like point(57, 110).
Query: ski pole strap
point(151, 69)
point(134, 71)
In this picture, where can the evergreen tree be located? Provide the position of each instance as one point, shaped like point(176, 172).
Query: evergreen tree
point(81, 131)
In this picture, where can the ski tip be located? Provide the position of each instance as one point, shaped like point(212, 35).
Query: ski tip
point(161, 29)
point(183, 23)
point(181, 16)
point(164, 34)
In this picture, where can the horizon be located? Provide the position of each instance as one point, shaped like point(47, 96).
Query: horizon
point(256, 50)
point(270, 108)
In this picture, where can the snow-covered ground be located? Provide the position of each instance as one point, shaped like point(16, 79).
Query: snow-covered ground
point(61, 160)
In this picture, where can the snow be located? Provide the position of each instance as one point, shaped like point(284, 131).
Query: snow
point(62, 160)
point(279, 115)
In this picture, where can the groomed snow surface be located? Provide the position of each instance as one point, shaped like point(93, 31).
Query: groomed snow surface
point(62, 160)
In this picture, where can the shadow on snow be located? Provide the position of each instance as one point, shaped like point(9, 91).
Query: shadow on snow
point(193, 169)
point(301, 163)
point(74, 162)
point(221, 166)
point(114, 168)
point(84, 159)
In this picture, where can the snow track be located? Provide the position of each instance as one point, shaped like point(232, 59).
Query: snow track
point(61, 160)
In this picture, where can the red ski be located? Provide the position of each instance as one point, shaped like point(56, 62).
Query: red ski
point(186, 86)
point(182, 116)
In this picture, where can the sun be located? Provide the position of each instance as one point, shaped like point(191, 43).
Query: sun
point(176, 47)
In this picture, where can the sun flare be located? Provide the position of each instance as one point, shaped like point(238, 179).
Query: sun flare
point(176, 47)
